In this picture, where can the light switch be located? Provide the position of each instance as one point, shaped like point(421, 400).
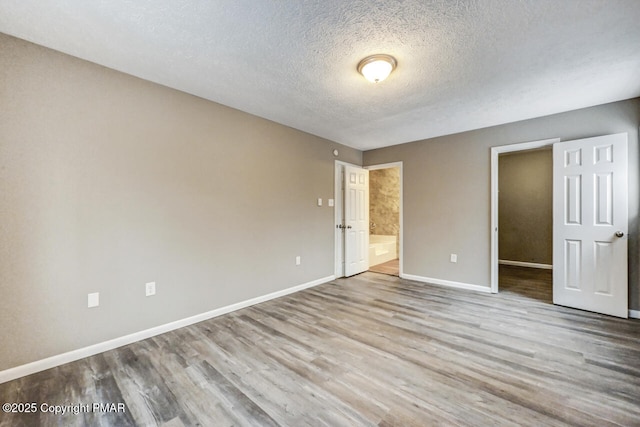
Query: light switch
point(331, 203)
point(319, 202)
point(150, 288)
point(93, 300)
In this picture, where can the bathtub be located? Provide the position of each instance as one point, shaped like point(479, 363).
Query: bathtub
point(382, 249)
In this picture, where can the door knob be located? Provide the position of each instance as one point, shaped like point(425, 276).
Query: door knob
point(348, 226)
point(619, 233)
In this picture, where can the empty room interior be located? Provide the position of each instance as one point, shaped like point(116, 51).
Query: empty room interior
point(309, 213)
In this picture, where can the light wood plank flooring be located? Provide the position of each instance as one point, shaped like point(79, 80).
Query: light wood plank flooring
point(390, 267)
point(529, 283)
point(364, 351)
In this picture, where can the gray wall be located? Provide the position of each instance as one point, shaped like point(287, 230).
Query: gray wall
point(108, 182)
point(447, 189)
point(525, 206)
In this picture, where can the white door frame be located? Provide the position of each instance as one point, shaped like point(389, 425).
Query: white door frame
point(401, 237)
point(495, 153)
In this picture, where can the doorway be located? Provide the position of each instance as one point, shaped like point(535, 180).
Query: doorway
point(384, 217)
point(525, 216)
point(590, 222)
point(495, 188)
point(340, 223)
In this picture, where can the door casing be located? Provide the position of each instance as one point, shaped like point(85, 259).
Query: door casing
point(495, 153)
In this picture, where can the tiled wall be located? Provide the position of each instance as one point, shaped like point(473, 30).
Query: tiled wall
point(384, 202)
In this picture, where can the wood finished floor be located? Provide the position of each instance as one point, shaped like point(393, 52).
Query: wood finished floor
point(390, 267)
point(364, 351)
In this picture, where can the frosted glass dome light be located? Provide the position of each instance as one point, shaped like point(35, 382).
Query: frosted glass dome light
point(376, 68)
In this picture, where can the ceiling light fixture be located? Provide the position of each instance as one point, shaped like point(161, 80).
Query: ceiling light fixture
point(376, 68)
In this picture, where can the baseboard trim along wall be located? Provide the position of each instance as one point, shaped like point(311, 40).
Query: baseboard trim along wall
point(72, 356)
point(448, 283)
point(634, 314)
point(526, 264)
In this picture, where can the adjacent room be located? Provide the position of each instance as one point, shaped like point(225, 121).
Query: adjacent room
point(308, 213)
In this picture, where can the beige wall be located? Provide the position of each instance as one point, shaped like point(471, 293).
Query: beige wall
point(384, 202)
point(108, 182)
point(446, 190)
point(525, 206)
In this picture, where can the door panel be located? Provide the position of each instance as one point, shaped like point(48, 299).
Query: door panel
point(590, 207)
point(573, 262)
point(604, 261)
point(573, 196)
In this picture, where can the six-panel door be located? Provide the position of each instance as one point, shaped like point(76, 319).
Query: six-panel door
point(590, 222)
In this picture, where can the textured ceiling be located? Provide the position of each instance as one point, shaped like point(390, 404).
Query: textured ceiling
point(462, 64)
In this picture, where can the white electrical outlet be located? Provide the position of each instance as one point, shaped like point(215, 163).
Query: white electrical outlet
point(454, 258)
point(298, 260)
point(93, 300)
point(150, 288)
point(331, 203)
point(319, 202)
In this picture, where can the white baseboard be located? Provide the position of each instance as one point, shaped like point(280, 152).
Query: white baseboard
point(526, 264)
point(634, 314)
point(448, 283)
point(71, 356)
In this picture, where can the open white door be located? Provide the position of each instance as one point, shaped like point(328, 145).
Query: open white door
point(356, 214)
point(590, 221)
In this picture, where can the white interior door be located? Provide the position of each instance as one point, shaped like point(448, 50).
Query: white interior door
point(356, 214)
point(590, 221)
